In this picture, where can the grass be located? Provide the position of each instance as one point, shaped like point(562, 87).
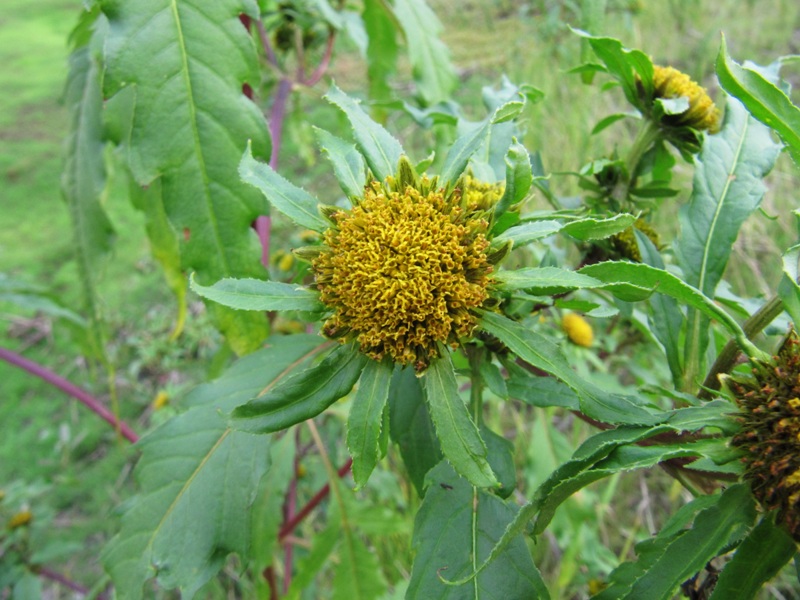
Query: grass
point(59, 444)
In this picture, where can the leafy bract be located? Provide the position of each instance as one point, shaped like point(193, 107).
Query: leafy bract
point(597, 229)
point(348, 164)
point(304, 395)
point(458, 435)
point(455, 529)
point(257, 294)
point(186, 61)
point(765, 101)
point(381, 151)
point(198, 479)
point(365, 420)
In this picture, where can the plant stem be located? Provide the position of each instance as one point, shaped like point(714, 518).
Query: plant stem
point(730, 353)
point(333, 478)
point(62, 579)
point(73, 390)
point(648, 134)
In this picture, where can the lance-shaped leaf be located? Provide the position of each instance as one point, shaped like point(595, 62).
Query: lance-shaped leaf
point(256, 294)
point(545, 280)
point(597, 229)
point(458, 435)
point(765, 101)
point(381, 151)
point(348, 164)
point(84, 177)
point(304, 395)
point(757, 560)
point(297, 204)
point(455, 529)
point(365, 419)
point(526, 233)
point(430, 59)
point(187, 61)
point(544, 354)
point(198, 479)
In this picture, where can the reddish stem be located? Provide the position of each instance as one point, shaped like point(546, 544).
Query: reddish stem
point(324, 63)
point(291, 524)
point(63, 580)
point(73, 390)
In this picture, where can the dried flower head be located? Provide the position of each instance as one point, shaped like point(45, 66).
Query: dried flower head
point(403, 270)
point(702, 113)
point(770, 434)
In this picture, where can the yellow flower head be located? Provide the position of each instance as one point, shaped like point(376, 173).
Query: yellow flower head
point(20, 519)
point(578, 329)
point(403, 270)
point(624, 242)
point(480, 195)
point(702, 113)
point(770, 434)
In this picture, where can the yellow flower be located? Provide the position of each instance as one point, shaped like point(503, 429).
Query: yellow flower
point(22, 518)
point(770, 436)
point(578, 329)
point(625, 243)
point(702, 113)
point(403, 270)
point(480, 195)
point(160, 401)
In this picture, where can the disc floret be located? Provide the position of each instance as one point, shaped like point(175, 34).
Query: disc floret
point(404, 270)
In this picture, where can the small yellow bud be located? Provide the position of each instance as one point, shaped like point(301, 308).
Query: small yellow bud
point(160, 401)
point(301, 471)
point(20, 519)
point(286, 261)
point(578, 329)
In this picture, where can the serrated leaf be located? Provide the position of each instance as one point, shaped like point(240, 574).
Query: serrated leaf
point(304, 395)
point(712, 530)
point(450, 541)
point(597, 229)
point(764, 100)
point(366, 418)
point(187, 62)
point(381, 151)
point(433, 72)
point(544, 354)
point(411, 428)
point(297, 204)
point(458, 435)
point(348, 164)
point(757, 560)
point(527, 233)
point(257, 294)
point(507, 112)
point(198, 479)
point(545, 280)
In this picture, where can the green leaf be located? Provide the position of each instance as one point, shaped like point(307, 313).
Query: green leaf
point(267, 511)
point(381, 48)
point(366, 418)
point(542, 391)
point(381, 151)
point(764, 100)
point(348, 164)
point(544, 354)
point(527, 233)
point(544, 280)
point(788, 288)
point(597, 229)
point(433, 72)
point(297, 204)
point(304, 395)
point(358, 575)
point(713, 529)
point(83, 179)
point(256, 294)
point(626, 280)
point(190, 124)
point(610, 120)
point(455, 529)
point(198, 479)
point(500, 454)
point(757, 560)
point(458, 435)
point(411, 428)
point(33, 297)
point(308, 566)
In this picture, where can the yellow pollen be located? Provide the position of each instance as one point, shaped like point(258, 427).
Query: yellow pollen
point(402, 271)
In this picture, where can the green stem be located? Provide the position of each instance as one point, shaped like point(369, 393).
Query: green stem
point(730, 353)
point(647, 136)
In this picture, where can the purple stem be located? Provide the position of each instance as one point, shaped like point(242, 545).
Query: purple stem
point(73, 390)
